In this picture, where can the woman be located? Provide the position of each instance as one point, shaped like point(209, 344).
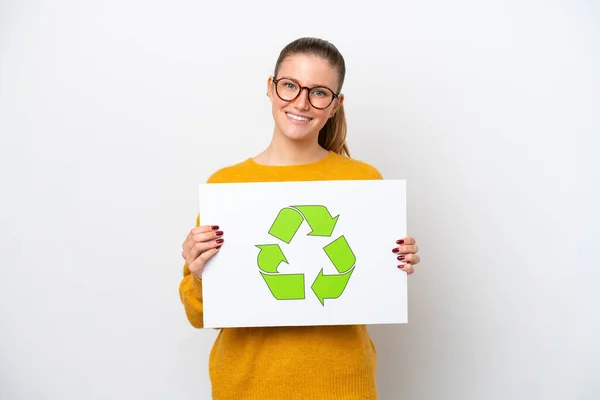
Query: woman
point(311, 362)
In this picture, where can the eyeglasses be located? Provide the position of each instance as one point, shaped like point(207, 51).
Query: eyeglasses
point(320, 97)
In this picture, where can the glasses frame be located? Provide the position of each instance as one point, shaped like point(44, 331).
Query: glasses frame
point(308, 89)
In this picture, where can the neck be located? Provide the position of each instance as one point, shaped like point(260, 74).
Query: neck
point(283, 151)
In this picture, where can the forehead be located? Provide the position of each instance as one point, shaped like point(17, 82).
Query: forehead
point(309, 70)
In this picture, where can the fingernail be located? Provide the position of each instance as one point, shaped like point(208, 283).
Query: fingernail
point(219, 240)
point(214, 227)
point(401, 266)
point(395, 250)
point(219, 233)
point(400, 241)
point(218, 247)
point(400, 258)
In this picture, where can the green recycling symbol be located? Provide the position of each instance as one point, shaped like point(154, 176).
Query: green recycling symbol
point(291, 286)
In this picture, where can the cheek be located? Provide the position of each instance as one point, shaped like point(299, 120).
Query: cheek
point(322, 116)
point(278, 104)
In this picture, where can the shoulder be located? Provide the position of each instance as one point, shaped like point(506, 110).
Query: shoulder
point(357, 169)
point(228, 173)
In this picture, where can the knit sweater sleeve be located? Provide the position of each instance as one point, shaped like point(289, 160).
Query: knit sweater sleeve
point(190, 292)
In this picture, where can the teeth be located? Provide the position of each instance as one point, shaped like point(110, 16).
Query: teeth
point(298, 118)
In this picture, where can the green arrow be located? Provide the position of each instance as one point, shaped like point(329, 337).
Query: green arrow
point(285, 287)
point(330, 286)
point(269, 257)
point(286, 224)
point(319, 220)
point(340, 254)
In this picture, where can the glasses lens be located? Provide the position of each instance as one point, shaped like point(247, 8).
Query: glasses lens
point(287, 89)
point(320, 97)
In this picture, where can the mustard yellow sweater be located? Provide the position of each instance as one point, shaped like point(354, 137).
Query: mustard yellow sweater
point(287, 363)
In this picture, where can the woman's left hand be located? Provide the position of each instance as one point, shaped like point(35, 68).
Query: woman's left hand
point(406, 252)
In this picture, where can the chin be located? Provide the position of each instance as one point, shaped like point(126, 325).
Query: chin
point(298, 135)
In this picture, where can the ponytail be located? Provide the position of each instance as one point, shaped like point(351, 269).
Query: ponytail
point(332, 135)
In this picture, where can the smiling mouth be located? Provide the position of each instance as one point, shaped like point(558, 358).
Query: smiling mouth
point(298, 117)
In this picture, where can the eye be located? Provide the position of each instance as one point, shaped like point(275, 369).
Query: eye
point(319, 93)
point(289, 85)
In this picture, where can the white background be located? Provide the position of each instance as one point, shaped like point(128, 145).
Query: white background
point(235, 294)
point(112, 112)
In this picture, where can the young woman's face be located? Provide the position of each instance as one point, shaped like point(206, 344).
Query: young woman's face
point(299, 119)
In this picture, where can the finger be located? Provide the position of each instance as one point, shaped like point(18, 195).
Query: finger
point(197, 267)
point(406, 240)
point(195, 231)
point(203, 236)
point(201, 247)
point(409, 258)
point(405, 249)
point(407, 267)
point(204, 229)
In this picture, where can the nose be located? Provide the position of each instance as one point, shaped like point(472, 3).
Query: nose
point(302, 102)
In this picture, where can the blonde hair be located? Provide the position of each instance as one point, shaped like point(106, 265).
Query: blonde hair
point(332, 135)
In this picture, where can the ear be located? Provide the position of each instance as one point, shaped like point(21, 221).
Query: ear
point(338, 104)
point(270, 87)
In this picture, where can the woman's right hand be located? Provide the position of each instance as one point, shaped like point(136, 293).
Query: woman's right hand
point(200, 245)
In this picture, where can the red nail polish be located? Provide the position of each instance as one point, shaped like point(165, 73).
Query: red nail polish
point(395, 250)
point(218, 247)
point(401, 266)
point(219, 240)
point(219, 233)
point(400, 241)
point(400, 258)
point(214, 227)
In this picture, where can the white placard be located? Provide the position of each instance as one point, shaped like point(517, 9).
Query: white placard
point(305, 253)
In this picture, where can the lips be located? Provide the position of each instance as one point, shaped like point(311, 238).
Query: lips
point(297, 117)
